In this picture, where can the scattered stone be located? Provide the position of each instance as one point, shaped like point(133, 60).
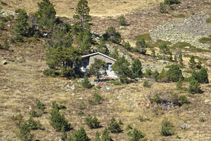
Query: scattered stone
point(30, 107)
point(4, 62)
point(73, 93)
point(80, 98)
point(207, 100)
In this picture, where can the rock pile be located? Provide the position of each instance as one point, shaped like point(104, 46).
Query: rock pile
point(188, 30)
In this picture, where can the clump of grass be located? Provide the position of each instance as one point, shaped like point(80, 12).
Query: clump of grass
point(201, 119)
point(115, 82)
point(3, 3)
point(166, 128)
point(146, 84)
point(180, 16)
point(205, 40)
point(145, 36)
point(206, 3)
point(208, 20)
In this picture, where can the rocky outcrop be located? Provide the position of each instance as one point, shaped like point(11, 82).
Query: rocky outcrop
point(188, 30)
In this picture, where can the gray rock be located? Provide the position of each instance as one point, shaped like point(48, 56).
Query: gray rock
point(72, 87)
point(207, 100)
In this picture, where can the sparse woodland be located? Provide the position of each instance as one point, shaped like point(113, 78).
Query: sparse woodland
point(163, 94)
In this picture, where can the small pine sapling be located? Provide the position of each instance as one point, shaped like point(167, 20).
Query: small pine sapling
point(25, 133)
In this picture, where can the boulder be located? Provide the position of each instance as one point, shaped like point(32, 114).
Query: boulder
point(4, 62)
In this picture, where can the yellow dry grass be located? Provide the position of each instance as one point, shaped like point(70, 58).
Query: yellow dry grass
point(66, 8)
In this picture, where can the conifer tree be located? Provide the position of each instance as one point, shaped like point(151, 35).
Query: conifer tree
point(115, 54)
point(82, 12)
point(96, 68)
point(86, 83)
point(192, 63)
point(194, 86)
point(174, 73)
point(80, 135)
point(122, 70)
point(164, 49)
point(198, 66)
point(97, 136)
point(22, 25)
point(137, 68)
point(25, 133)
point(46, 14)
point(180, 58)
point(155, 75)
point(102, 47)
point(112, 35)
point(141, 46)
point(6, 44)
point(114, 126)
point(203, 75)
point(105, 135)
point(179, 84)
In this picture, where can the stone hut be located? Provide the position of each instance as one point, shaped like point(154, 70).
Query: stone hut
point(88, 60)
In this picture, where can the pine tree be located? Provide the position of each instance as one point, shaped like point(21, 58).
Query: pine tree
point(115, 54)
point(96, 68)
point(203, 75)
point(102, 47)
point(6, 44)
point(105, 135)
point(136, 135)
point(180, 58)
point(174, 73)
point(82, 12)
point(25, 133)
point(194, 86)
point(141, 46)
point(46, 14)
point(192, 63)
point(164, 49)
point(163, 76)
point(97, 136)
point(179, 84)
point(86, 83)
point(112, 35)
point(122, 20)
point(153, 53)
point(92, 122)
point(114, 126)
point(155, 75)
point(80, 135)
point(137, 68)
point(122, 70)
point(22, 25)
point(198, 66)
point(33, 124)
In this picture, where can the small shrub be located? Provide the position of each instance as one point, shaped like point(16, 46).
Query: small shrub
point(33, 124)
point(92, 122)
point(12, 41)
point(153, 53)
point(97, 136)
point(179, 84)
point(105, 135)
point(148, 73)
point(208, 20)
point(183, 99)
point(2, 26)
point(40, 105)
point(80, 113)
point(155, 99)
point(91, 102)
point(35, 114)
point(201, 119)
point(194, 87)
point(122, 20)
point(166, 128)
point(116, 82)
point(17, 119)
point(97, 97)
point(177, 137)
point(81, 105)
point(25, 133)
point(85, 83)
point(174, 73)
point(64, 134)
point(3, 3)
point(146, 84)
point(19, 37)
point(6, 44)
point(114, 126)
point(81, 135)
point(162, 8)
point(136, 135)
point(126, 45)
point(140, 118)
point(180, 16)
point(58, 121)
point(50, 72)
point(128, 127)
point(170, 2)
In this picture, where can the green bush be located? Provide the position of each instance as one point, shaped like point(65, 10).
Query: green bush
point(17, 119)
point(146, 84)
point(148, 73)
point(97, 136)
point(58, 121)
point(170, 2)
point(80, 113)
point(2, 26)
point(128, 127)
point(137, 68)
point(12, 41)
point(155, 99)
point(136, 135)
point(81, 105)
point(116, 82)
point(174, 73)
point(40, 105)
point(3, 3)
point(162, 8)
point(105, 135)
point(141, 46)
point(33, 124)
point(194, 87)
point(179, 84)
point(92, 122)
point(122, 20)
point(126, 45)
point(201, 119)
point(35, 114)
point(97, 97)
point(112, 35)
point(85, 83)
point(80, 135)
point(166, 128)
point(114, 126)
point(25, 133)
point(208, 20)
point(183, 99)
point(6, 44)
point(49, 72)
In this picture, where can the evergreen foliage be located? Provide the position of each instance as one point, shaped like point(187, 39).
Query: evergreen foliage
point(114, 126)
point(174, 73)
point(198, 66)
point(22, 25)
point(25, 133)
point(57, 120)
point(179, 84)
point(141, 46)
point(155, 75)
point(121, 69)
point(6, 44)
point(102, 47)
point(126, 45)
point(192, 63)
point(85, 83)
point(97, 136)
point(166, 128)
point(80, 135)
point(163, 76)
point(35, 114)
point(92, 122)
point(194, 86)
point(64, 134)
point(153, 53)
point(170, 2)
point(115, 54)
point(148, 73)
point(97, 67)
point(2, 26)
point(105, 135)
point(46, 14)
point(33, 124)
point(82, 12)
point(203, 75)
point(180, 58)
point(136, 135)
point(164, 49)
point(162, 8)
point(146, 84)
point(137, 68)
point(122, 20)
point(40, 105)
point(112, 35)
